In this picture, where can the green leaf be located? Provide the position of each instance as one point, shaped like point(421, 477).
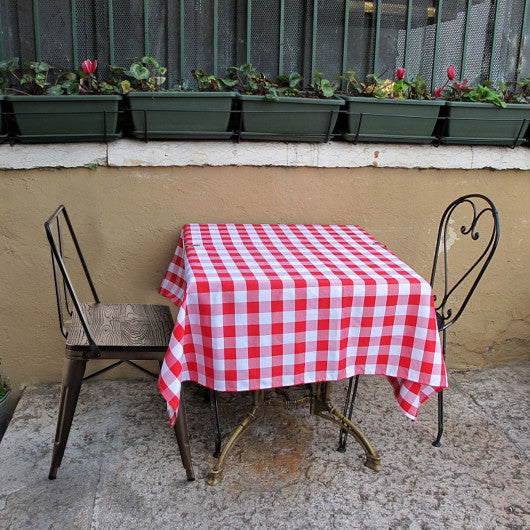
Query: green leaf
point(39, 66)
point(55, 90)
point(125, 86)
point(229, 82)
point(150, 61)
point(295, 79)
point(138, 71)
point(272, 95)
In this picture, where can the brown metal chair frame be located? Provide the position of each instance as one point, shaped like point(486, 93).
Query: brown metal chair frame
point(480, 206)
point(84, 346)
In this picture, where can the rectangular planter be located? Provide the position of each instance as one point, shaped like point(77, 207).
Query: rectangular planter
point(181, 115)
point(65, 118)
point(291, 119)
point(390, 120)
point(486, 124)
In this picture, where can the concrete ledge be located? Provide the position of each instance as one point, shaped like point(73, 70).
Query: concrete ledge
point(135, 153)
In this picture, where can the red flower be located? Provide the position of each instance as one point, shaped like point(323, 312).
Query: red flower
point(438, 93)
point(451, 72)
point(400, 73)
point(89, 67)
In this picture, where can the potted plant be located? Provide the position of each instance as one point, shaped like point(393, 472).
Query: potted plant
point(52, 106)
point(283, 110)
point(398, 110)
point(4, 395)
point(181, 113)
point(482, 115)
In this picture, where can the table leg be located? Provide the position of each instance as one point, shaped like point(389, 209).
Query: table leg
point(321, 406)
point(216, 473)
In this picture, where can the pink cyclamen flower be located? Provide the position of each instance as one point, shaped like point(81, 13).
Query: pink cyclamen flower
point(451, 72)
point(89, 67)
point(400, 73)
point(438, 93)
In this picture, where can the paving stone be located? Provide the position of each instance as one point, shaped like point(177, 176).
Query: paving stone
point(122, 468)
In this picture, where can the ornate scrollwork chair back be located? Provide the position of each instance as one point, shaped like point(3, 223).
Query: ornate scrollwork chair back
point(472, 221)
point(468, 234)
point(96, 330)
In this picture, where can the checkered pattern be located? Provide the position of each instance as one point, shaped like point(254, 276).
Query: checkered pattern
point(264, 306)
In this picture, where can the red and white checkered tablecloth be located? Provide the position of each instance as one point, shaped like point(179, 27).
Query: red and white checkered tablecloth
point(265, 306)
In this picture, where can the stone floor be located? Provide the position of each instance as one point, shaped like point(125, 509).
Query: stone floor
point(122, 469)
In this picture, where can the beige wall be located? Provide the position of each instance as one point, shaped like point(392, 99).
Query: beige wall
point(128, 221)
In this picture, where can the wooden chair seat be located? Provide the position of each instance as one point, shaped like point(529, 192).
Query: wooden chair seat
point(119, 327)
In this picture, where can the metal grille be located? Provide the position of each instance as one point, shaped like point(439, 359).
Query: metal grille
point(199, 20)
point(265, 49)
point(329, 38)
point(128, 31)
point(481, 38)
point(229, 50)
point(360, 49)
point(53, 50)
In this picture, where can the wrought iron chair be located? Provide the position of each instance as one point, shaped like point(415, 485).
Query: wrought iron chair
point(95, 330)
point(475, 209)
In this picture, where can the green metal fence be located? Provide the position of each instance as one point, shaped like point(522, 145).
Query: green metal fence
point(481, 38)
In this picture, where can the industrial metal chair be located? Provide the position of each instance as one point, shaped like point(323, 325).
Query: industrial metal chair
point(95, 330)
point(471, 213)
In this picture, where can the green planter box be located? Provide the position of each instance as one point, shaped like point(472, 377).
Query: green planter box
point(3, 125)
point(390, 120)
point(289, 119)
point(181, 115)
point(485, 123)
point(65, 118)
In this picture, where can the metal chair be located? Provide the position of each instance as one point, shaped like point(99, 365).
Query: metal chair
point(470, 212)
point(95, 330)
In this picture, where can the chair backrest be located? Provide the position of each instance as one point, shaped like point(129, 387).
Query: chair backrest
point(65, 293)
point(469, 212)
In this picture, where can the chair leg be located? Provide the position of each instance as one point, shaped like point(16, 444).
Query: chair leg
point(348, 410)
point(73, 372)
point(181, 432)
point(436, 442)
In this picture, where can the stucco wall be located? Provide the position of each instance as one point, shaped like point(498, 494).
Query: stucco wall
point(128, 220)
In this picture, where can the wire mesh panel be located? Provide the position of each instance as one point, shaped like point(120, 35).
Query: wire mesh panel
point(508, 41)
point(391, 49)
point(128, 22)
point(419, 40)
point(481, 38)
point(451, 32)
point(360, 43)
point(199, 19)
point(330, 37)
point(155, 28)
point(94, 33)
point(18, 30)
point(53, 50)
point(297, 37)
point(230, 52)
point(265, 36)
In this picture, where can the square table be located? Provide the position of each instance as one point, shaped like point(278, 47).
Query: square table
point(263, 306)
